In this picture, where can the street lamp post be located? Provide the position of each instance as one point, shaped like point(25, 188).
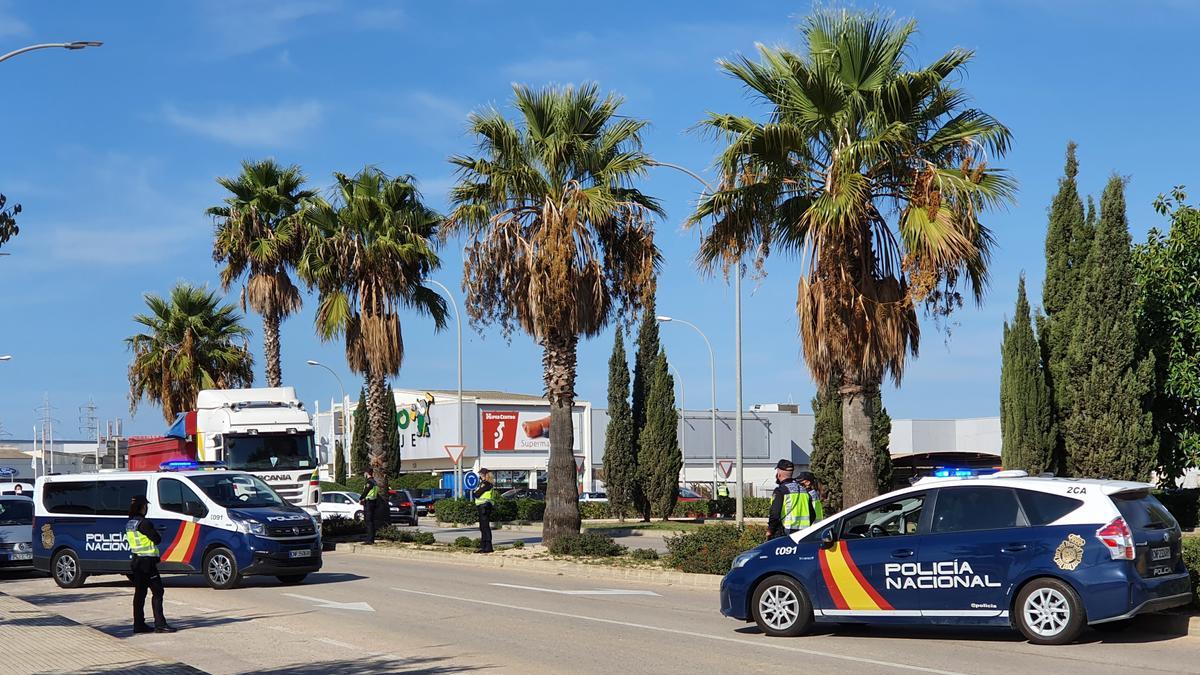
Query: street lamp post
point(81, 44)
point(345, 421)
point(458, 329)
point(6, 357)
point(712, 364)
point(737, 348)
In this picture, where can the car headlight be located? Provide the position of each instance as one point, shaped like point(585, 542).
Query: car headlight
point(743, 559)
point(251, 527)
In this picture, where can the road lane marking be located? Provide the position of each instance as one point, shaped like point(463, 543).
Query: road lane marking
point(330, 604)
point(676, 631)
point(339, 643)
point(597, 591)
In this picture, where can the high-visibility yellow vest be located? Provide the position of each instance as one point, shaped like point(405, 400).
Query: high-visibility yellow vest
point(372, 493)
point(139, 544)
point(797, 508)
point(817, 507)
point(722, 491)
point(487, 497)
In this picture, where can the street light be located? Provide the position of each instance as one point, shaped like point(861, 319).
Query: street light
point(345, 422)
point(6, 357)
point(712, 364)
point(458, 328)
point(737, 350)
point(79, 44)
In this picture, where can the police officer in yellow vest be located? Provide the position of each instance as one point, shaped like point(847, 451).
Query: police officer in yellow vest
point(791, 506)
point(143, 542)
point(370, 502)
point(808, 481)
point(722, 490)
point(485, 497)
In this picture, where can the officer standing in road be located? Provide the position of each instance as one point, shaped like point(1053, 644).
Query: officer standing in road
point(809, 482)
point(485, 497)
point(790, 506)
point(143, 547)
point(370, 504)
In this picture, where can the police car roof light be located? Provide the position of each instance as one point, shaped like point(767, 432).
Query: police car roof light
point(189, 465)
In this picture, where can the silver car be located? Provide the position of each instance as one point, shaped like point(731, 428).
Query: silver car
point(16, 533)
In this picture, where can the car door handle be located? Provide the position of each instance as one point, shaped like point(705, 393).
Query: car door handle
point(903, 553)
point(1014, 548)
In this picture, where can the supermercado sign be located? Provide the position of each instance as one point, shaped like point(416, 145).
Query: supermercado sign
point(522, 431)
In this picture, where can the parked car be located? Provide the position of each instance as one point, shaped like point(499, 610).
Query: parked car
point(16, 533)
point(593, 497)
point(524, 493)
point(340, 505)
point(404, 510)
point(686, 495)
point(425, 498)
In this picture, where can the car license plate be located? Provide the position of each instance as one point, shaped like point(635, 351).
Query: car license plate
point(302, 553)
point(21, 556)
point(1157, 554)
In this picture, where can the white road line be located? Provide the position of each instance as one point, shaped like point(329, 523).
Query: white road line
point(704, 636)
point(339, 643)
point(330, 604)
point(598, 591)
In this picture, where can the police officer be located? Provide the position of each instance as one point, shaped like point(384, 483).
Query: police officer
point(809, 482)
point(791, 507)
point(485, 497)
point(722, 490)
point(143, 547)
point(370, 503)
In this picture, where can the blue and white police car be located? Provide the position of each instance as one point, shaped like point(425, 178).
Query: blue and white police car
point(221, 524)
point(1048, 556)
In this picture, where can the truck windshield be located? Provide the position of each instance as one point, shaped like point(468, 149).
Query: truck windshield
point(237, 490)
point(270, 452)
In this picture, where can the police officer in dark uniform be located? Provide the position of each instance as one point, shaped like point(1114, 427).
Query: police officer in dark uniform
point(370, 503)
point(791, 506)
point(143, 547)
point(485, 497)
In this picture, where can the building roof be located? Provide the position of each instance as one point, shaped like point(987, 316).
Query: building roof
point(11, 452)
point(485, 394)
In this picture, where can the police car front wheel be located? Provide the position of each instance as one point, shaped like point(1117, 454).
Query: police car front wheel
point(781, 608)
point(67, 571)
point(1049, 612)
point(221, 569)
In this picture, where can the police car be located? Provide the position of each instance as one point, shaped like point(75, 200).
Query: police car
point(221, 524)
point(1047, 556)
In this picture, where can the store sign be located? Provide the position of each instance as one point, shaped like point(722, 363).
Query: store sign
point(414, 420)
point(529, 431)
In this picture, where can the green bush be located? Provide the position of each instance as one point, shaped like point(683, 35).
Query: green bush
point(712, 548)
point(342, 527)
point(504, 510)
point(356, 484)
point(594, 510)
point(416, 480)
point(530, 509)
point(393, 533)
point(455, 511)
point(724, 506)
point(1191, 558)
point(643, 554)
point(424, 538)
point(588, 543)
point(465, 542)
point(1183, 504)
point(518, 544)
point(756, 507)
point(326, 486)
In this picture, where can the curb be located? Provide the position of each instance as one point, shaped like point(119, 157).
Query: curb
point(709, 582)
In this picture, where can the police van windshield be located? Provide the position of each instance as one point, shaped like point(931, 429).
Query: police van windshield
point(237, 490)
point(16, 512)
point(270, 452)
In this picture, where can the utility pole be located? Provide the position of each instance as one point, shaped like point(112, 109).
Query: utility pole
point(48, 421)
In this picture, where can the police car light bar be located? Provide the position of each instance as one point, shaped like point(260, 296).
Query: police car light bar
point(953, 473)
point(189, 465)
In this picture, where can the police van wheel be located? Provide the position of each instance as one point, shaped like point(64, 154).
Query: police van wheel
point(66, 570)
point(221, 569)
point(781, 607)
point(1049, 612)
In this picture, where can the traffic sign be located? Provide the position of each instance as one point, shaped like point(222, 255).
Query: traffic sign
point(455, 452)
point(471, 480)
point(726, 466)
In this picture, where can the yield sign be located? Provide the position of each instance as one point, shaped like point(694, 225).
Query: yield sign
point(726, 466)
point(455, 452)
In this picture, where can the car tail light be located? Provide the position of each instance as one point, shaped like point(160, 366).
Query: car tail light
point(1117, 538)
point(406, 504)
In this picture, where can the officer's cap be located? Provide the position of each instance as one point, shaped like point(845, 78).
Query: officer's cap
point(785, 465)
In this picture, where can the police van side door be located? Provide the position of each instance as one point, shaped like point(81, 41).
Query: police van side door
point(978, 536)
point(176, 514)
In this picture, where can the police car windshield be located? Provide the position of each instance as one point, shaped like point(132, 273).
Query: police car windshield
point(16, 512)
point(237, 490)
point(270, 452)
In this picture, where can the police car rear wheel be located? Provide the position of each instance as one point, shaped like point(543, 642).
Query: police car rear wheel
point(221, 570)
point(66, 569)
point(1049, 612)
point(781, 607)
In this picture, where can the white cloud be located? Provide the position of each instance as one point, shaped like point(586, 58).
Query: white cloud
point(115, 246)
point(279, 125)
point(11, 26)
point(430, 119)
point(540, 71)
point(245, 26)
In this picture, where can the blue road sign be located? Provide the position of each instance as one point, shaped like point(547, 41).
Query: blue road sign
point(471, 480)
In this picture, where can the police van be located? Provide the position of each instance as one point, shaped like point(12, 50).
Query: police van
point(221, 524)
point(1047, 556)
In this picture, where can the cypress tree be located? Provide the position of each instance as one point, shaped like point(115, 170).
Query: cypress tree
point(392, 449)
point(648, 346)
point(881, 431)
point(1028, 435)
point(620, 448)
point(339, 463)
point(360, 442)
point(659, 459)
point(1109, 431)
point(826, 459)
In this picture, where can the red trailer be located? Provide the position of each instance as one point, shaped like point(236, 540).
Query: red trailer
point(146, 453)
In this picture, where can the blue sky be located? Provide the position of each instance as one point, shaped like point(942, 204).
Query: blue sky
point(113, 152)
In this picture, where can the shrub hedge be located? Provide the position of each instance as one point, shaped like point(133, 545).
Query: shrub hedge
point(643, 554)
point(1183, 504)
point(712, 548)
point(393, 533)
point(342, 527)
point(587, 543)
point(504, 510)
point(1191, 558)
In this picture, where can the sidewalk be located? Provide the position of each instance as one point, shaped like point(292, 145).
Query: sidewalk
point(35, 641)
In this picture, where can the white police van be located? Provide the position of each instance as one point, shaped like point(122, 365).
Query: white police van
point(1048, 556)
point(222, 524)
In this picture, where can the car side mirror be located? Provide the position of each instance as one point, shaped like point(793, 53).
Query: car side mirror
point(828, 538)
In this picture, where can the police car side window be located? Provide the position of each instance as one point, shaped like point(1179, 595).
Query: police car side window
point(967, 509)
point(895, 518)
point(1043, 508)
point(77, 497)
point(113, 496)
point(174, 496)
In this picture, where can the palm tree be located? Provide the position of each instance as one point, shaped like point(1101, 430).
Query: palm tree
point(875, 174)
point(559, 241)
point(368, 253)
point(191, 341)
point(257, 238)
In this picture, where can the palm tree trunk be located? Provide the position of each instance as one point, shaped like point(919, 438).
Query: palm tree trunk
point(271, 350)
point(377, 430)
point(562, 494)
point(858, 455)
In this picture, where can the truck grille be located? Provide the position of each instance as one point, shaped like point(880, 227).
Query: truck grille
point(292, 492)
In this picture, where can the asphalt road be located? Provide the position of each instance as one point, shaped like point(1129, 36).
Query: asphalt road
point(415, 616)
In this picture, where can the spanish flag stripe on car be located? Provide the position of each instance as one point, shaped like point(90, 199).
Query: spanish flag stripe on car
point(181, 549)
point(847, 586)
